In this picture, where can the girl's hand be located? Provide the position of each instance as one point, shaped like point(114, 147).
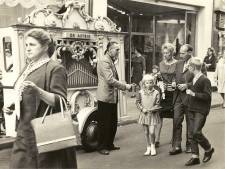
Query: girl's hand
point(144, 110)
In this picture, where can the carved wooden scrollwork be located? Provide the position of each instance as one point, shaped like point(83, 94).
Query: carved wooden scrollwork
point(71, 15)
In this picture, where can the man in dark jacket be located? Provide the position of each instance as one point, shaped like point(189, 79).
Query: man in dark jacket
point(199, 102)
point(183, 79)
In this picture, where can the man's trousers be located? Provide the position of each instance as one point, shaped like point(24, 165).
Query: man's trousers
point(180, 110)
point(107, 120)
point(197, 122)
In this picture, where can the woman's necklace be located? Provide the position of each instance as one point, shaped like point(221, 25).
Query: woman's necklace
point(148, 91)
point(32, 66)
point(169, 62)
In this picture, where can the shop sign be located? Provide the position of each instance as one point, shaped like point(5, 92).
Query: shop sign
point(220, 20)
point(78, 35)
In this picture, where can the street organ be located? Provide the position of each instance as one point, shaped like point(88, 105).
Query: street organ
point(80, 42)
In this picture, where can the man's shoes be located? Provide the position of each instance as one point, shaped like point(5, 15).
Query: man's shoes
point(114, 148)
point(104, 152)
point(192, 161)
point(175, 151)
point(208, 155)
point(188, 150)
point(157, 143)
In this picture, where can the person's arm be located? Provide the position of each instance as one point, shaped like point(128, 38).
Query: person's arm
point(107, 72)
point(207, 90)
point(205, 94)
point(143, 65)
point(213, 63)
point(139, 103)
point(216, 74)
point(58, 87)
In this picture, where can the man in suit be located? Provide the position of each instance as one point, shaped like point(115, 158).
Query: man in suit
point(183, 79)
point(199, 102)
point(107, 95)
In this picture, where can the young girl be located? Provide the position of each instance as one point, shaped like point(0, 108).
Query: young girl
point(147, 102)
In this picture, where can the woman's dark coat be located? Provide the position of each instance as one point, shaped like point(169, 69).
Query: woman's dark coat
point(50, 77)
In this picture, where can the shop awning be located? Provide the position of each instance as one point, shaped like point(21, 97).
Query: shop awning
point(29, 3)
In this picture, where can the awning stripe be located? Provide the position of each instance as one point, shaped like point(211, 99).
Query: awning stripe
point(29, 3)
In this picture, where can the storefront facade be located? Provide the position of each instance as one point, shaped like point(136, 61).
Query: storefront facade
point(150, 24)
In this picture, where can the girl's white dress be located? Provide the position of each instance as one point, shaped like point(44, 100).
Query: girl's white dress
point(147, 100)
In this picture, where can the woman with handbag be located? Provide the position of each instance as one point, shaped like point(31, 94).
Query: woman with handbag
point(42, 82)
point(167, 73)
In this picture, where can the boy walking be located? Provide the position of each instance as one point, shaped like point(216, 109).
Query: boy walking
point(199, 102)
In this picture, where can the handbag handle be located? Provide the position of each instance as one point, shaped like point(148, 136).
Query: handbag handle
point(61, 102)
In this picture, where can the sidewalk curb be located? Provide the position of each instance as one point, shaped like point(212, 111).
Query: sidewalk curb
point(9, 143)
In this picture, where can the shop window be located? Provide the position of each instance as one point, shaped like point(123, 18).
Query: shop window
point(7, 51)
point(190, 28)
point(142, 24)
point(170, 29)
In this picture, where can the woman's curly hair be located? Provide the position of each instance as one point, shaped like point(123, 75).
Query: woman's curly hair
point(170, 47)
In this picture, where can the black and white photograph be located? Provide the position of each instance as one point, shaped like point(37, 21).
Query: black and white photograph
point(112, 84)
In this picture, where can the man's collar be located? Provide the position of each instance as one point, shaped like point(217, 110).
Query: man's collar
point(198, 75)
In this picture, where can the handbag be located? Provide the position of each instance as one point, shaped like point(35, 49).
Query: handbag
point(55, 131)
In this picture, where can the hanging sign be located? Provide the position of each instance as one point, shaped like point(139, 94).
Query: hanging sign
point(77, 35)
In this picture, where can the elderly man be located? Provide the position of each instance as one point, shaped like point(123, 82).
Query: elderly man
point(107, 95)
point(199, 102)
point(183, 79)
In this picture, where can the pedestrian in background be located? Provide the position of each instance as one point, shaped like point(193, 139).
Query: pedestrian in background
point(107, 95)
point(1, 106)
point(42, 83)
point(220, 78)
point(199, 103)
point(210, 60)
point(147, 102)
point(138, 68)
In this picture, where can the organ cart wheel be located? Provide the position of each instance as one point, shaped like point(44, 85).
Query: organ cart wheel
point(89, 136)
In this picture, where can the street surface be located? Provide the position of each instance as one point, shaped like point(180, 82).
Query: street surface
point(131, 140)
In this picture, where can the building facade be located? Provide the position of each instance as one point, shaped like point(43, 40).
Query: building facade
point(151, 23)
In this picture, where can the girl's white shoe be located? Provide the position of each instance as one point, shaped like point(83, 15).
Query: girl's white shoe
point(148, 151)
point(153, 150)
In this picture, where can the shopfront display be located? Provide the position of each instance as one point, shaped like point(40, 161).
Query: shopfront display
point(153, 23)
